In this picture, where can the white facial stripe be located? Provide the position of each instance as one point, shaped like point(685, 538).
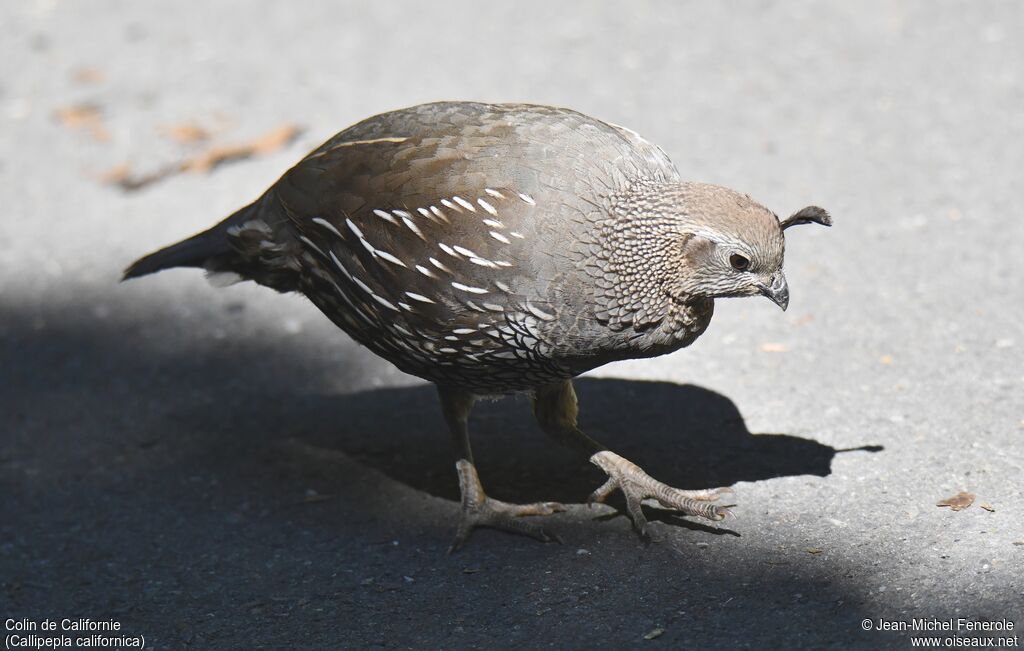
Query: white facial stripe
point(721, 238)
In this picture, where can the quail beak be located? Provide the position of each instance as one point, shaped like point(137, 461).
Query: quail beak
point(777, 290)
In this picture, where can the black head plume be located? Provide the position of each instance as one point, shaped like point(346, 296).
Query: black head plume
point(808, 215)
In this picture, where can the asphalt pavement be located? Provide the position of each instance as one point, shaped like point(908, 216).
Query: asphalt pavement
point(222, 468)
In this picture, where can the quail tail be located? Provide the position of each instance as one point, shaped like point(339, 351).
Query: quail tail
point(196, 251)
point(208, 250)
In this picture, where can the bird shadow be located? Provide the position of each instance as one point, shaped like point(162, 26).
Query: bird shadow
point(685, 435)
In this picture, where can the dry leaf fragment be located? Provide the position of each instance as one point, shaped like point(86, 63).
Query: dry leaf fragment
point(88, 76)
point(658, 632)
point(116, 174)
point(186, 134)
point(988, 507)
point(99, 133)
point(958, 502)
point(85, 117)
point(813, 550)
point(771, 347)
point(79, 115)
point(122, 177)
point(275, 139)
point(268, 142)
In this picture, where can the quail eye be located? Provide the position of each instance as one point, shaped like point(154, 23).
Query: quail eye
point(738, 262)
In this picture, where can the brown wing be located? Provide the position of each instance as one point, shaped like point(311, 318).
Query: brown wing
point(450, 224)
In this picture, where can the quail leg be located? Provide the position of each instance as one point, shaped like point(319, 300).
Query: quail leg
point(636, 485)
point(556, 409)
point(478, 510)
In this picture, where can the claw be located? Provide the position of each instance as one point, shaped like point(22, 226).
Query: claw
point(602, 493)
point(710, 494)
point(478, 510)
point(636, 486)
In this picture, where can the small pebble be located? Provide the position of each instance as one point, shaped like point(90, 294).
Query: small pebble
point(658, 632)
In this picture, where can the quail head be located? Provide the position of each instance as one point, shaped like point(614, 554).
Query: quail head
point(493, 249)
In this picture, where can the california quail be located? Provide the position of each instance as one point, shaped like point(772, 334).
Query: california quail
point(504, 248)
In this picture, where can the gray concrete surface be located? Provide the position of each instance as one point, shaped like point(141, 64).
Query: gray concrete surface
point(224, 469)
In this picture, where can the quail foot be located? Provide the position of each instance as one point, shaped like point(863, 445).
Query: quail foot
point(503, 248)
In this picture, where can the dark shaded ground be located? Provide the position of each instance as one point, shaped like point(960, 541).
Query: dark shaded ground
point(204, 503)
point(700, 436)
